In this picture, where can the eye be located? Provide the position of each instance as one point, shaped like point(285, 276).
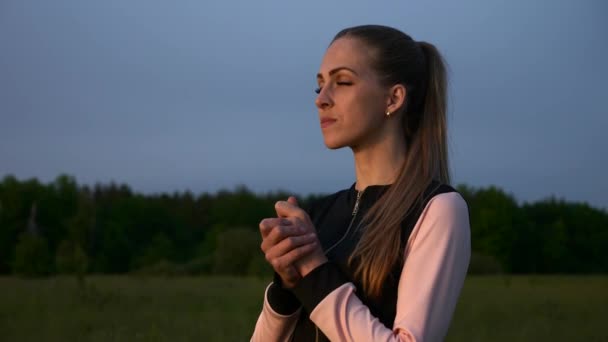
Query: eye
point(343, 83)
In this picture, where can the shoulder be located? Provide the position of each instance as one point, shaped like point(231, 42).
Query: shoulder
point(445, 216)
point(440, 205)
point(443, 222)
point(436, 188)
point(437, 195)
point(447, 204)
point(439, 201)
point(442, 197)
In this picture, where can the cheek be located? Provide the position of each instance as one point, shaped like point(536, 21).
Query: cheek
point(365, 108)
point(361, 122)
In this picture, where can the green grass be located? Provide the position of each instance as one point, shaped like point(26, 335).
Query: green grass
point(532, 308)
point(113, 308)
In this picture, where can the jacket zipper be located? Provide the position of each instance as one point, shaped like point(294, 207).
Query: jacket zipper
point(356, 208)
point(352, 220)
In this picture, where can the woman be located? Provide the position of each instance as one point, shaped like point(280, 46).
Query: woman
point(384, 260)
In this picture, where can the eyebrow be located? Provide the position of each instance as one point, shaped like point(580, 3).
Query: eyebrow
point(335, 70)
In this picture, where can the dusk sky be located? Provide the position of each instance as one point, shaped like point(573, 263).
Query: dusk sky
point(202, 95)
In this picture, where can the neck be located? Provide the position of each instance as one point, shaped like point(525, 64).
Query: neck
point(379, 162)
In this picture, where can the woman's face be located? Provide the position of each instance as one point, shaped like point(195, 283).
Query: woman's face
point(351, 101)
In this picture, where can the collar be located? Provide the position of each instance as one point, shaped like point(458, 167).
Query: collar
point(371, 192)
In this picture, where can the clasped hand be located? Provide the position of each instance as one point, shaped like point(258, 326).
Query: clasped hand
point(290, 243)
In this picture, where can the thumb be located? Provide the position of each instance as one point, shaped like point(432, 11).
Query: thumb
point(293, 200)
point(287, 208)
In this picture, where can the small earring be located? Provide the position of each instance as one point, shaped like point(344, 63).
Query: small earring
point(388, 113)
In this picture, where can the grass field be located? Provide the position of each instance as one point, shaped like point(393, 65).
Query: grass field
point(128, 308)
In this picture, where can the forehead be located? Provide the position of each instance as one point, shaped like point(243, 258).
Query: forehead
point(346, 52)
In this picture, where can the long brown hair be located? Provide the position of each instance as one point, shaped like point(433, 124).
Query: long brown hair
point(398, 59)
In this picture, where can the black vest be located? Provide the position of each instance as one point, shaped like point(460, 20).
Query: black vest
point(332, 216)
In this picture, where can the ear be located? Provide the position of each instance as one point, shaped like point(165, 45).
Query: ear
point(396, 98)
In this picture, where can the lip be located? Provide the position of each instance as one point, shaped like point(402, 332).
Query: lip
point(325, 122)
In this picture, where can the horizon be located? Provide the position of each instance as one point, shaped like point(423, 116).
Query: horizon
point(239, 186)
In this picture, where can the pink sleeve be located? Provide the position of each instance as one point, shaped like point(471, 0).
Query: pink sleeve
point(272, 326)
point(436, 260)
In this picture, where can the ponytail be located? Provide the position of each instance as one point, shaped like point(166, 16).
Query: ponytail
point(434, 117)
point(425, 126)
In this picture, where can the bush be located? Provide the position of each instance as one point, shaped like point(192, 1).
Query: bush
point(70, 258)
point(198, 266)
point(159, 249)
point(235, 250)
point(484, 264)
point(32, 256)
point(160, 268)
point(259, 267)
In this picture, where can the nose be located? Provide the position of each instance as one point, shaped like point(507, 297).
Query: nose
point(323, 100)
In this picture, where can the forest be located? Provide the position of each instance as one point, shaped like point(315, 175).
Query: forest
point(66, 228)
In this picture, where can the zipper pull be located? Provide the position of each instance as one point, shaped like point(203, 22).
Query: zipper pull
point(356, 208)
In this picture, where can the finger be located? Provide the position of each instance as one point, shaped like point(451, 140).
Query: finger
point(282, 262)
point(292, 200)
point(294, 255)
point(274, 221)
point(267, 224)
point(286, 209)
point(289, 243)
point(279, 233)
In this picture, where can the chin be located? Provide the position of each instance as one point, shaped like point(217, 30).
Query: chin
point(334, 144)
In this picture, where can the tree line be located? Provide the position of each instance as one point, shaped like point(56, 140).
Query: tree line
point(64, 227)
